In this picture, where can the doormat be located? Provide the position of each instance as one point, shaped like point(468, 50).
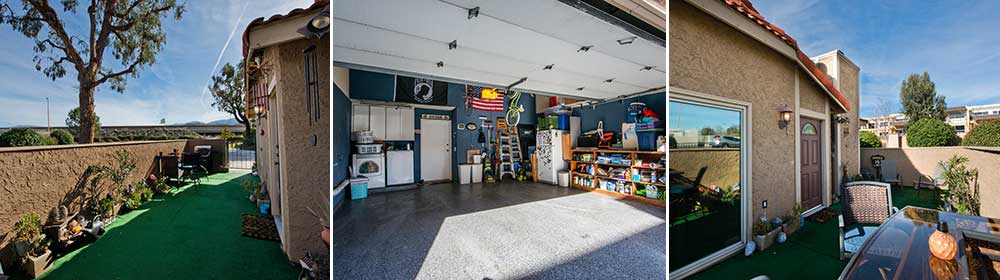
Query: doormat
point(823, 216)
point(259, 227)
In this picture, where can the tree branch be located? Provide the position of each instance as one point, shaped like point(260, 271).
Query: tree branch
point(50, 17)
point(131, 68)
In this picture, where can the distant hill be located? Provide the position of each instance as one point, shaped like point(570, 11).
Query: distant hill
point(229, 121)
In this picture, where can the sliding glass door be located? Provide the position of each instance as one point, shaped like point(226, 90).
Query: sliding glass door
point(708, 140)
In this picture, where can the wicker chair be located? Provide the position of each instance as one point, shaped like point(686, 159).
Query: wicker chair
point(866, 205)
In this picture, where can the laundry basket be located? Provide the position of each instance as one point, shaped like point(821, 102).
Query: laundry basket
point(359, 188)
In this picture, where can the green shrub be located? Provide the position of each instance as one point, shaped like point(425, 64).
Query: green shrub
point(21, 137)
point(133, 200)
point(64, 137)
point(106, 206)
point(869, 140)
point(49, 140)
point(962, 194)
point(28, 228)
point(929, 133)
point(986, 134)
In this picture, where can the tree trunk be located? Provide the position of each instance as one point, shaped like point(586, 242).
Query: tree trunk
point(86, 113)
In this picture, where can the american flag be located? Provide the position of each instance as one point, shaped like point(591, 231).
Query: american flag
point(475, 97)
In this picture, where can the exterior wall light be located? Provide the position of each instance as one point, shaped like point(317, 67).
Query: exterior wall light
point(784, 116)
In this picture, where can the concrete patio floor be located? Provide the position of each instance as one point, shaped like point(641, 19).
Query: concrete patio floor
point(510, 230)
point(187, 234)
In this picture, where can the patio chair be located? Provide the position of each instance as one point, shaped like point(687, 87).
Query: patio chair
point(934, 183)
point(889, 173)
point(866, 205)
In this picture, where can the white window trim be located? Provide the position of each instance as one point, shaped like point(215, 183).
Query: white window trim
point(746, 180)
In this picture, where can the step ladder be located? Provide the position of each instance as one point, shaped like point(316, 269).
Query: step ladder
point(508, 149)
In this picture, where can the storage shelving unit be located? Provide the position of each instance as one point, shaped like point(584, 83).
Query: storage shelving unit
point(630, 185)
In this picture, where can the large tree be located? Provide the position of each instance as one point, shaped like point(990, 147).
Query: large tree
point(73, 122)
point(920, 100)
point(128, 33)
point(227, 89)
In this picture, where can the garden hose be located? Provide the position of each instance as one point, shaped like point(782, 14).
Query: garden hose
point(514, 110)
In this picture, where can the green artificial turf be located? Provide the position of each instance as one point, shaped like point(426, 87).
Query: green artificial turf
point(810, 253)
point(191, 233)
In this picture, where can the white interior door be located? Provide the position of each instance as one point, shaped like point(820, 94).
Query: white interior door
point(435, 150)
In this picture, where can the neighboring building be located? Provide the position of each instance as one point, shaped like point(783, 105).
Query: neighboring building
point(730, 67)
point(892, 128)
point(288, 78)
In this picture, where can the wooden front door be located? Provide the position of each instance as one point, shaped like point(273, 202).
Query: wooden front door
point(811, 163)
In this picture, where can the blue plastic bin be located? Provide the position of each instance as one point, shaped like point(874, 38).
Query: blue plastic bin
point(647, 139)
point(359, 188)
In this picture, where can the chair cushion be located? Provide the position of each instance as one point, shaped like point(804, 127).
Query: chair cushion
point(854, 238)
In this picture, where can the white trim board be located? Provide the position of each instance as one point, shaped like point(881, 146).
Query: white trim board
point(401, 105)
point(746, 173)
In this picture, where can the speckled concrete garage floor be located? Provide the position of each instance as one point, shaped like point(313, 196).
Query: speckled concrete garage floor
point(510, 230)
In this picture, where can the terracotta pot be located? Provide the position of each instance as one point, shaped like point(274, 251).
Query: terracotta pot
point(35, 266)
point(765, 241)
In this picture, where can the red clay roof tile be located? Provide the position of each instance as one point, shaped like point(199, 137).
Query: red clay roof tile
point(746, 8)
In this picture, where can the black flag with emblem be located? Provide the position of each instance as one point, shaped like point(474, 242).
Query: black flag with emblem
point(421, 91)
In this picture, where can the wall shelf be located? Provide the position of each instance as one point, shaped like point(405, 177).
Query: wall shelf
point(631, 184)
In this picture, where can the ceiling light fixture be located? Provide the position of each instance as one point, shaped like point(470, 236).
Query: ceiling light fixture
point(317, 26)
point(626, 41)
point(474, 12)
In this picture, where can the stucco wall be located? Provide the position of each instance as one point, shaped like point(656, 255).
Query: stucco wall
point(912, 162)
point(304, 149)
point(710, 57)
point(850, 88)
point(723, 165)
point(811, 97)
point(36, 179)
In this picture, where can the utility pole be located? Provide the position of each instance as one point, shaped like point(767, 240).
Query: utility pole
point(48, 115)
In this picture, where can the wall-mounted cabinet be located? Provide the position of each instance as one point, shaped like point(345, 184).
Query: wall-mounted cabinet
point(387, 123)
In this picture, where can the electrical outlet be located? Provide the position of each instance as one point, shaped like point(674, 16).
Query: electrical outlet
point(764, 204)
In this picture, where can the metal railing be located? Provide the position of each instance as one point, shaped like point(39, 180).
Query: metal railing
point(242, 155)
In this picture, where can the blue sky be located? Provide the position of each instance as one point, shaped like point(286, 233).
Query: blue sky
point(956, 42)
point(172, 88)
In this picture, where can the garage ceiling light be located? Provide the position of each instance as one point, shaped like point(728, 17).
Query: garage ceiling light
point(474, 12)
point(626, 41)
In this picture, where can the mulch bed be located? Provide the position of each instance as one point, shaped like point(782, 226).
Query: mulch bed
point(259, 227)
point(823, 216)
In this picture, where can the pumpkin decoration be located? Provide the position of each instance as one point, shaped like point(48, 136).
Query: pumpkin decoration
point(942, 244)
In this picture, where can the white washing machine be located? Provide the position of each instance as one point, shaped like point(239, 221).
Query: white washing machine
point(371, 166)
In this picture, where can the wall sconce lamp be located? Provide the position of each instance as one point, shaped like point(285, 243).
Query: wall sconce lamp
point(784, 116)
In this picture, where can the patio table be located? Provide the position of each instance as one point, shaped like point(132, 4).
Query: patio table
point(899, 248)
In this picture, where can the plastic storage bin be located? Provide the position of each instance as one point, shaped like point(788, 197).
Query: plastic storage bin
point(647, 139)
point(477, 173)
point(359, 188)
point(465, 174)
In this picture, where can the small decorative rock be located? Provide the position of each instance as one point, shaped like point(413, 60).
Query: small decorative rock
point(782, 237)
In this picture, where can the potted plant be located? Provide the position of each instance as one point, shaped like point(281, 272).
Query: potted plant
point(793, 221)
point(763, 234)
point(32, 245)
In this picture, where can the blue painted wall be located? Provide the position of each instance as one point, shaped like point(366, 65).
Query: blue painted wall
point(381, 87)
point(613, 114)
point(341, 125)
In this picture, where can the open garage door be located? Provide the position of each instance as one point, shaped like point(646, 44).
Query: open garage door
point(565, 48)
